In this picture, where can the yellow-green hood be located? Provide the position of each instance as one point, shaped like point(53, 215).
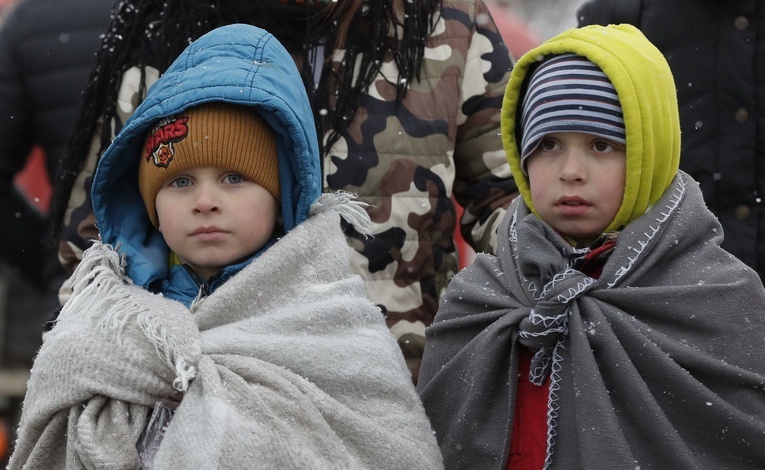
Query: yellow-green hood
point(646, 90)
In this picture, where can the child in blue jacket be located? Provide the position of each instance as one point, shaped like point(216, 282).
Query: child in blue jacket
point(216, 324)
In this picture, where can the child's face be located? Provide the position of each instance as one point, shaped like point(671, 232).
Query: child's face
point(213, 217)
point(577, 183)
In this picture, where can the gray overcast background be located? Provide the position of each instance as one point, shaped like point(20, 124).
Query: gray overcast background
point(547, 17)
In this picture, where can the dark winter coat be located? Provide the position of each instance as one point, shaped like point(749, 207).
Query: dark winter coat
point(716, 50)
point(46, 51)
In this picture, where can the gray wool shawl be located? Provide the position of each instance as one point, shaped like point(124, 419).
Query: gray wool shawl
point(658, 364)
point(287, 365)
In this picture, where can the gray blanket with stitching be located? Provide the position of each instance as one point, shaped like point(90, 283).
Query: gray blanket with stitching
point(287, 365)
point(658, 364)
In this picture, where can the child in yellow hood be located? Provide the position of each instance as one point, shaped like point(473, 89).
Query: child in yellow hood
point(611, 330)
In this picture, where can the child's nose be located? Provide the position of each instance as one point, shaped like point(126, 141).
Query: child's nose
point(572, 166)
point(206, 199)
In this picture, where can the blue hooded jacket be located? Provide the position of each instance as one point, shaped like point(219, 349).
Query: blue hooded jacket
point(238, 64)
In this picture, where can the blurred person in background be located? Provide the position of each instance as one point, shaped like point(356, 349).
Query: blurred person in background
point(46, 51)
point(516, 31)
point(546, 17)
point(405, 121)
point(4, 6)
point(716, 50)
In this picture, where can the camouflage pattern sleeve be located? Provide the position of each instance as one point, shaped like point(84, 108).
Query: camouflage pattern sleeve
point(483, 184)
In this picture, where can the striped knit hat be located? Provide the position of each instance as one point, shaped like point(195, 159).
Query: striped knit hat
point(568, 93)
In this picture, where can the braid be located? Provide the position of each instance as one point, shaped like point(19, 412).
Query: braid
point(121, 45)
point(146, 33)
point(366, 37)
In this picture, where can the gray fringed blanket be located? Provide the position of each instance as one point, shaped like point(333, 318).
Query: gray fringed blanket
point(658, 364)
point(287, 365)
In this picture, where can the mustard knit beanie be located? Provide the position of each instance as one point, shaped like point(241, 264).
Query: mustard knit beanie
point(216, 134)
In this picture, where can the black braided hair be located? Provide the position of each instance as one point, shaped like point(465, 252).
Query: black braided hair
point(150, 33)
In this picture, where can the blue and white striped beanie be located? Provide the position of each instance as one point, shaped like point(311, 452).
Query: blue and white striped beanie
point(568, 93)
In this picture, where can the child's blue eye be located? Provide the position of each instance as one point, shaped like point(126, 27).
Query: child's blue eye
point(234, 178)
point(180, 182)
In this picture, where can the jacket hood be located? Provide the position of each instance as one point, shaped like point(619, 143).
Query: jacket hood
point(646, 90)
point(238, 64)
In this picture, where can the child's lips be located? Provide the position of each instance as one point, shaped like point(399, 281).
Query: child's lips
point(572, 205)
point(209, 233)
point(210, 229)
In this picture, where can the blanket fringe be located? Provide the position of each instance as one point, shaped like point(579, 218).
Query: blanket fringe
point(94, 284)
point(167, 350)
point(349, 208)
point(97, 299)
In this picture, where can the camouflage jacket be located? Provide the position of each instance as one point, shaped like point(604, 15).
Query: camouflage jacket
point(409, 160)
